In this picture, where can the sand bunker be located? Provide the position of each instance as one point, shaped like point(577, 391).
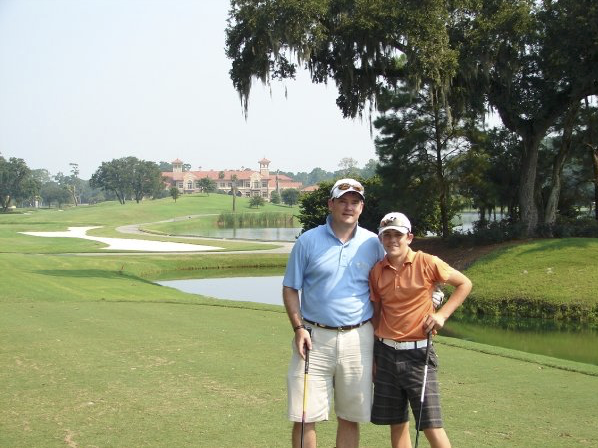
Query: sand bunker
point(125, 243)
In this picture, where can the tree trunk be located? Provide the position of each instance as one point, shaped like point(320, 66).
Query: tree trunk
point(528, 210)
point(594, 149)
point(557, 168)
point(443, 196)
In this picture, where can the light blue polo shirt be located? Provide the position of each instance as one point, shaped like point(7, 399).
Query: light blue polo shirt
point(332, 276)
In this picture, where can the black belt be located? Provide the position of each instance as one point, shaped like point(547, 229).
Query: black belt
point(341, 328)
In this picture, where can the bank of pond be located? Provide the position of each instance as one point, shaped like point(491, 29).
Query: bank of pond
point(564, 339)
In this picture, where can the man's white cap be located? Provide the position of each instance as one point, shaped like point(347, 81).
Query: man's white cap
point(343, 186)
point(396, 221)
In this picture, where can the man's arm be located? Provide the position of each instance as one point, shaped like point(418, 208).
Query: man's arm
point(290, 297)
point(462, 286)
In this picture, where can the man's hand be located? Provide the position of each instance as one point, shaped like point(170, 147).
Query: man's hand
point(302, 339)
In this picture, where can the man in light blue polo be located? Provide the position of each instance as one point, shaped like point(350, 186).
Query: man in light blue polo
point(330, 265)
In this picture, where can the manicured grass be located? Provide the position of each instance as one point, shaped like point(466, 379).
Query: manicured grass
point(544, 278)
point(133, 373)
point(110, 215)
point(92, 353)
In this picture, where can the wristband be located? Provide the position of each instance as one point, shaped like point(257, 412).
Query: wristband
point(298, 327)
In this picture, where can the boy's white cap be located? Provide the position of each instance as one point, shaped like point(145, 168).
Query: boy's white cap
point(396, 221)
point(343, 186)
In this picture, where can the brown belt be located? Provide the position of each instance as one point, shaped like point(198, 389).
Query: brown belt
point(341, 328)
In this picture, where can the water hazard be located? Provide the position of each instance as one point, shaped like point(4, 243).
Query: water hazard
point(560, 340)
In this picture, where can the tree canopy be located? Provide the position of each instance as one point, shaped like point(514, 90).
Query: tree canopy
point(530, 61)
point(16, 182)
point(128, 177)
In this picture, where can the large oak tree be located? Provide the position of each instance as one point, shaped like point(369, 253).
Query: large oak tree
point(529, 60)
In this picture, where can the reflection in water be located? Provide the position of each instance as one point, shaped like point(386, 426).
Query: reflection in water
point(558, 339)
point(253, 233)
point(249, 289)
point(565, 340)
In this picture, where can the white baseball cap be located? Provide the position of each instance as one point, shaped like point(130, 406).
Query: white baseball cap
point(343, 186)
point(396, 221)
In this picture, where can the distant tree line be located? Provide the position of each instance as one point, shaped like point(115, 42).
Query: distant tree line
point(348, 167)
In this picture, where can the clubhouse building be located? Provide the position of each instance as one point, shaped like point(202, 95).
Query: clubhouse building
point(248, 182)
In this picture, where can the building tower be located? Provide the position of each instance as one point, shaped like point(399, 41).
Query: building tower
point(264, 170)
point(177, 166)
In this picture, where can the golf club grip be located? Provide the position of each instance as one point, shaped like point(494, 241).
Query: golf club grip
point(307, 352)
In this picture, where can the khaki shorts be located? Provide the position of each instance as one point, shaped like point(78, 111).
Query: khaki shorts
point(340, 366)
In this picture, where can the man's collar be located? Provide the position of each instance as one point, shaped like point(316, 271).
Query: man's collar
point(331, 230)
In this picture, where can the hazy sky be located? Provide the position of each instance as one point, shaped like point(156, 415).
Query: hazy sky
point(87, 81)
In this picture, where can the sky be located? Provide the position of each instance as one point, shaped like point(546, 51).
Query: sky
point(87, 81)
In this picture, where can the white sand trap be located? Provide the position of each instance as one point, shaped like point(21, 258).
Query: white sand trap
point(124, 243)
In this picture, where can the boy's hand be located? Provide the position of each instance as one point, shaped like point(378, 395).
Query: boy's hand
point(433, 323)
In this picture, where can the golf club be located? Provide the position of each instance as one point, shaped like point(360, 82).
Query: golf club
point(305, 389)
point(421, 401)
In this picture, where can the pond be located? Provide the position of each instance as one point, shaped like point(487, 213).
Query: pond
point(559, 340)
point(252, 233)
point(463, 222)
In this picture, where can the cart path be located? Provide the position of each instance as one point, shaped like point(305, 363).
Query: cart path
point(134, 229)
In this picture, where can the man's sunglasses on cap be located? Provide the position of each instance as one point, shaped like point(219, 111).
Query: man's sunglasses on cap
point(346, 186)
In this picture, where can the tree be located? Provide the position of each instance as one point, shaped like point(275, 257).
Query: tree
point(419, 136)
point(51, 192)
point(369, 170)
point(114, 176)
point(589, 138)
point(175, 193)
point(207, 185)
point(128, 177)
point(74, 183)
point(348, 166)
point(530, 64)
point(528, 60)
point(165, 167)
point(234, 190)
point(355, 43)
point(313, 205)
point(275, 197)
point(318, 175)
point(256, 201)
point(15, 181)
point(146, 178)
point(290, 196)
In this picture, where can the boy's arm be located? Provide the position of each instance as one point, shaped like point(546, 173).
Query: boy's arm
point(462, 286)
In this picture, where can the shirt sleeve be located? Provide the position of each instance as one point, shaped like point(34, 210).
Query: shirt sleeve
point(372, 280)
point(293, 276)
point(440, 270)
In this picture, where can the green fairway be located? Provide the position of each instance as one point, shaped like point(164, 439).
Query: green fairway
point(92, 353)
point(132, 373)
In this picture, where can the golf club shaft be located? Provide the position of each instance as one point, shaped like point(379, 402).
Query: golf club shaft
point(305, 376)
point(421, 401)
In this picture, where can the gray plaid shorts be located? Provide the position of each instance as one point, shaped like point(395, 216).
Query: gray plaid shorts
point(398, 383)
